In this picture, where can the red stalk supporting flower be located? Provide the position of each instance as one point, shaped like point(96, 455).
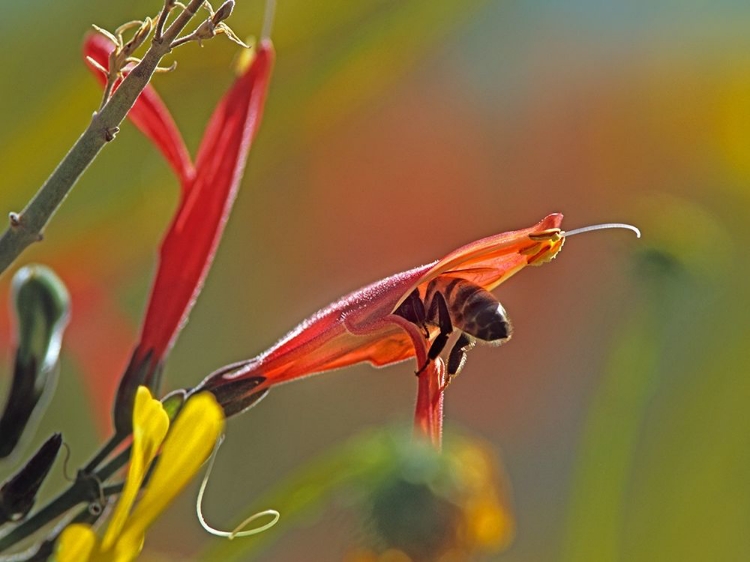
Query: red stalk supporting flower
point(208, 192)
point(428, 414)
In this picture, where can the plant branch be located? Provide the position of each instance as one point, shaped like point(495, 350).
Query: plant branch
point(103, 453)
point(84, 489)
point(80, 491)
point(28, 226)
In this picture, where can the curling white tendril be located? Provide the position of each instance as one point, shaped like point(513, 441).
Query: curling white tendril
point(238, 531)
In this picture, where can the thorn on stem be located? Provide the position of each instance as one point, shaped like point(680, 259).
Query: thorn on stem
point(109, 134)
point(164, 69)
point(15, 219)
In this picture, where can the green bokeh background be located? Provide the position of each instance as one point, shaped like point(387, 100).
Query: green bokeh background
point(394, 132)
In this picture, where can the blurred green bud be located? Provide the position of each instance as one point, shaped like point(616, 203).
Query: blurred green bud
point(42, 308)
point(18, 493)
point(411, 502)
point(430, 505)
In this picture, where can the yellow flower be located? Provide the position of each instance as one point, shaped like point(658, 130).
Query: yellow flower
point(187, 445)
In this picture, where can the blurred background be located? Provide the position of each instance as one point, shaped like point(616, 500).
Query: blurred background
point(396, 131)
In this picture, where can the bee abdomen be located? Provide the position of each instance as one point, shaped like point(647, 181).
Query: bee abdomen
point(479, 314)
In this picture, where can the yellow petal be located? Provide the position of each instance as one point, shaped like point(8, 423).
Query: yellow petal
point(125, 550)
point(187, 446)
point(75, 543)
point(150, 425)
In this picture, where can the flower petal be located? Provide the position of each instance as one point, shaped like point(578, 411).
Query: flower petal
point(491, 261)
point(150, 425)
point(149, 113)
point(76, 543)
point(189, 246)
point(187, 446)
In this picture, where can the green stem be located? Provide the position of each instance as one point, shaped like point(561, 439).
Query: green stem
point(27, 226)
point(82, 490)
point(103, 453)
point(114, 465)
point(79, 492)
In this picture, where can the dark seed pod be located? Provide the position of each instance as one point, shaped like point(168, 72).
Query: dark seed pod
point(18, 493)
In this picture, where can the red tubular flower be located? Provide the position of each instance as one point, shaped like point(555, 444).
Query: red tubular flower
point(208, 191)
point(191, 241)
point(369, 325)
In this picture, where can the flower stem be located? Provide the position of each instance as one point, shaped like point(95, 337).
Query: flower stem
point(79, 492)
point(84, 489)
point(27, 226)
point(103, 453)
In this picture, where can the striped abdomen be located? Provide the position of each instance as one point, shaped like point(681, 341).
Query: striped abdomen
point(473, 310)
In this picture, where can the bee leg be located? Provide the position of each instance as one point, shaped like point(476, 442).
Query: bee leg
point(439, 312)
point(457, 356)
point(412, 309)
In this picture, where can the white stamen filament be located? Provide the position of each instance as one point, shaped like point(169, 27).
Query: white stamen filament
point(603, 227)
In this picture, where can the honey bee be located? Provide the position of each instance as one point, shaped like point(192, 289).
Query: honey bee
point(450, 304)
